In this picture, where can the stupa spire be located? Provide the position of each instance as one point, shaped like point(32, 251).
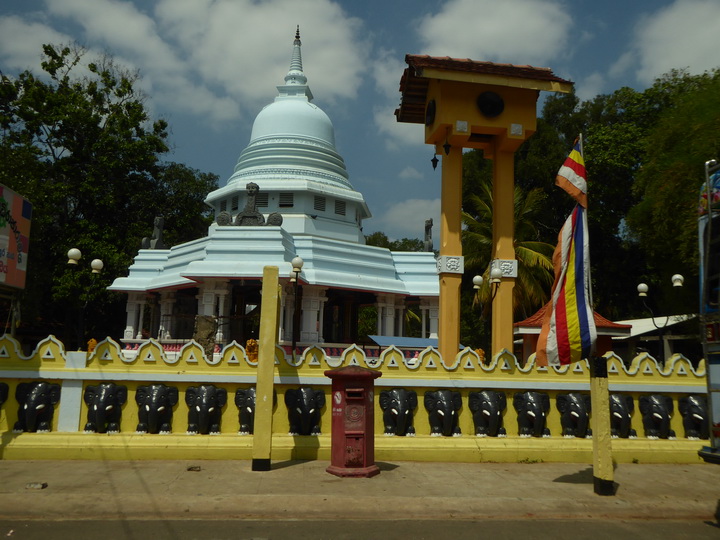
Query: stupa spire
point(296, 76)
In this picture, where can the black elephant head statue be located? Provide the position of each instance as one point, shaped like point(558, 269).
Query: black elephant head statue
point(205, 404)
point(487, 407)
point(104, 402)
point(656, 412)
point(574, 414)
point(442, 407)
point(532, 409)
point(398, 405)
point(36, 405)
point(245, 401)
point(304, 409)
point(695, 416)
point(155, 407)
point(621, 408)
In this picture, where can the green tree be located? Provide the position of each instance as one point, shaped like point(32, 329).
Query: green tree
point(380, 239)
point(79, 143)
point(667, 186)
point(534, 256)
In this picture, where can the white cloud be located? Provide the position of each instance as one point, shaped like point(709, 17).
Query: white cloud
point(406, 219)
point(623, 65)
point(513, 31)
point(398, 134)
point(590, 86)
point(21, 42)
point(386, 71)
point(214, 59)
point(682, 35)
point(231, 44)
point(410, 173)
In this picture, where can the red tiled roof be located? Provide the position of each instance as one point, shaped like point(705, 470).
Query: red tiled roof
point(535, 321)
point(414, 87)
point(487, 68)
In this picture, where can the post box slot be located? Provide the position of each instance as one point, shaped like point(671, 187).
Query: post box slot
point(354, 393)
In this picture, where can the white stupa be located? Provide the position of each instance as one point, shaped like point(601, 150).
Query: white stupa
point(289, 196)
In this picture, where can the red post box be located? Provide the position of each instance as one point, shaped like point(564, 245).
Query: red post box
point(353, 422)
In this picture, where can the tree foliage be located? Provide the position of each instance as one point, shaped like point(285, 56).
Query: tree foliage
point(534, 256)
point(668, 185)
point(79, 143)
point(380, 239)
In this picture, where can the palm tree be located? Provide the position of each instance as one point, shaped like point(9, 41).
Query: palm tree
point(535, 268)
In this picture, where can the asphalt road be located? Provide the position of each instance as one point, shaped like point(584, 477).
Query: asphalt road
point(348, 529)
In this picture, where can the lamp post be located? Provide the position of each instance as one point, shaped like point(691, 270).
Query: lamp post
point(642, 289)
point(96, 265)
point(297, 264)
point(495, 279)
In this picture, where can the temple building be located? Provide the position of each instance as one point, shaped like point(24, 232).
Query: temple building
point(289, 196)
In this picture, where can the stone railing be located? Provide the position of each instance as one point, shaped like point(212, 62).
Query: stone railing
point(233, 369)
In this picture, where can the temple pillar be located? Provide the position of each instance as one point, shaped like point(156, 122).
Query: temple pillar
point(386, 315)
point(321, 320)
point(134, 301)
point(222, 292)
point(503, 250)
point(206, 300)
point(281, 327)
point(312, 299)
point(450, 261)
point(167, 300)
point(141, 318)
point(430, 306)
point(288, 312)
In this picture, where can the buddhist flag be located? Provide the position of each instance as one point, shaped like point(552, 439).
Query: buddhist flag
point(572, 176)
point(568, 332)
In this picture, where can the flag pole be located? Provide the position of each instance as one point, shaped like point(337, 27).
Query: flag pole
point(603, 472)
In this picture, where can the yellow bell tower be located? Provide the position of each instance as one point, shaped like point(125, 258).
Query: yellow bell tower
point(487, 106)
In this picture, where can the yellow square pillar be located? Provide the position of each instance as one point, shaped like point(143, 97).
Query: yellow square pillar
point(269, 320)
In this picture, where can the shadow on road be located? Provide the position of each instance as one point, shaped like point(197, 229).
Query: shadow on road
point(580, 477)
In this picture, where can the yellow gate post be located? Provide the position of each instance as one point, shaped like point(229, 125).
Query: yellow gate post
point(450, 250)
point(486, 106)
point(603, 472)
point(270, 309)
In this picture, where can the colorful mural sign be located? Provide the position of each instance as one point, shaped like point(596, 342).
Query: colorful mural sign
point(15, 217)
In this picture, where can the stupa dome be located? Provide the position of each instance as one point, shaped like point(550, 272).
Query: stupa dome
point(292, 139)
point(293, 117)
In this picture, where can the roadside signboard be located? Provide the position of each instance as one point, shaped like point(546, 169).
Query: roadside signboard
point(15, 217)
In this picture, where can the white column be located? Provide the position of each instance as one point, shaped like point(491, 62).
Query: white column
point(167, 300)
point(423, 314)
point(206, 301)
point(400, 316)
point(283, 318)
point(132, 315)
point(141, 305)
point(312, 299)
point(386, 315)
point(379, 303)
point(434, 317)
point(389, 320)
point(222, 292)
point(321, 319)
point(431, 306)
point(289, 311)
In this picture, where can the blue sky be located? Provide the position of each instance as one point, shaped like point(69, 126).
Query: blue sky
point(209, 66)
